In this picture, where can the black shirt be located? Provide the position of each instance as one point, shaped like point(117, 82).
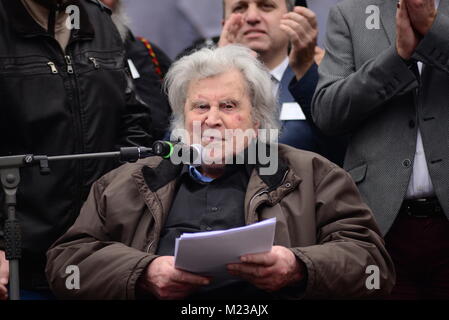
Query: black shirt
point(201, 206)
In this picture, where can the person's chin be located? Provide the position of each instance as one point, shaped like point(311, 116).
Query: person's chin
point(213, 161)
point(214, 166)
point(257, 45)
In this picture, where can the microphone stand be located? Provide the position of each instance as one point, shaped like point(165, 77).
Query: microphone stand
point(10, 179)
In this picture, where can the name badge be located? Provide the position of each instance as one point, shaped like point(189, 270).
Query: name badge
point(135, 74)
point(292, 111)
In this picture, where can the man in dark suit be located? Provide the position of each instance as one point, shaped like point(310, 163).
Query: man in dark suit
point(284, 37)
point(384, 79)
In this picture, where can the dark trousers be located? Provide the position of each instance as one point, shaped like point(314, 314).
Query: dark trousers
point(419, 248)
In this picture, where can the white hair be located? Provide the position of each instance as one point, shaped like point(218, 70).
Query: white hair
point(121, 20)
point(209, 62)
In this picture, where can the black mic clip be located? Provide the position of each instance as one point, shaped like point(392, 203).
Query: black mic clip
point(132, 154)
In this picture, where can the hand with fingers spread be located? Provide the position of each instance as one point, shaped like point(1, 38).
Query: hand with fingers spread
point(230, 30)
point(422, 14)
point(406, 37)
point(4, 276)
point(269, 271)
point(163, 280)
point(302, 29)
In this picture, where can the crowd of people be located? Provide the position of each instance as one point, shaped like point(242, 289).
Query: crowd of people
point(353, 136)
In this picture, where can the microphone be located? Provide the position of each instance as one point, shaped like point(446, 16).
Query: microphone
point(164, 149)
point(178, 152)
point(131, 154)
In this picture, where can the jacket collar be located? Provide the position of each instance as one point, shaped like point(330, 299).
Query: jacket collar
point(166, 172)
point(24, 24)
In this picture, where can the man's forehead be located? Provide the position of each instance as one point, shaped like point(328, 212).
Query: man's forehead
point(226, 92)
point(230, 3)
point(232, 80)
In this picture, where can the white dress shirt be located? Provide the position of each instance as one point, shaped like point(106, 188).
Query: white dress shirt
point(420, 184)
point(278, 72)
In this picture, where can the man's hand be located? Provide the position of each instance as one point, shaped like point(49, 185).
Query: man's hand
point(301, 27)
point(163, 280)
point(269, 271)
point(406, 38)
point(4, 276)
point(230, 30)
point(422, 14)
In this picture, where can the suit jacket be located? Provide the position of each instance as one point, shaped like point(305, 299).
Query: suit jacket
point(303, 134)
point(366, 89)
point(298, 133)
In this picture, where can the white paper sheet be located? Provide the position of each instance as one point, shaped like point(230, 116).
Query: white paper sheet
point(208, 253)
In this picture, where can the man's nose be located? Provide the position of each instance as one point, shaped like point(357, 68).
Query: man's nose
point(252, 15)
point(213, 118)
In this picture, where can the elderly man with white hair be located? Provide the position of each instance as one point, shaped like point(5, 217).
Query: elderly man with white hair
point(123, 242)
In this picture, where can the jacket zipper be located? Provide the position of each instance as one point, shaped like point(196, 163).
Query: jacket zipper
point(257, 195)
point(284, 177)
point(156, 223)
point(94, 62)
point(149, 246)
point(68, 60)
point(77, 104)
point(78, 124)
point(52, 66)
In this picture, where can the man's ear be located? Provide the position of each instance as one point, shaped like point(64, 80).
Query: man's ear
point(223, 22)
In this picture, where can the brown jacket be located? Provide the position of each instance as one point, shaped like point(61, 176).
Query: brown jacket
point(319, 212)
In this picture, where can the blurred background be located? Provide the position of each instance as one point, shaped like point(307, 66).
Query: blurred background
point(174, 25)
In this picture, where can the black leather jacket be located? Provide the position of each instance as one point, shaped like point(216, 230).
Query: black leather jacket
point(54, 103)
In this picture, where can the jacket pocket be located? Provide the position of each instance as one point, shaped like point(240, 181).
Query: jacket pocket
point(106, 63)
point(99, 62)
point(358, 173)
point(27, 67)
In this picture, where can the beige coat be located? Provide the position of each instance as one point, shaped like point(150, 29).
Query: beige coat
point(319, 212)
